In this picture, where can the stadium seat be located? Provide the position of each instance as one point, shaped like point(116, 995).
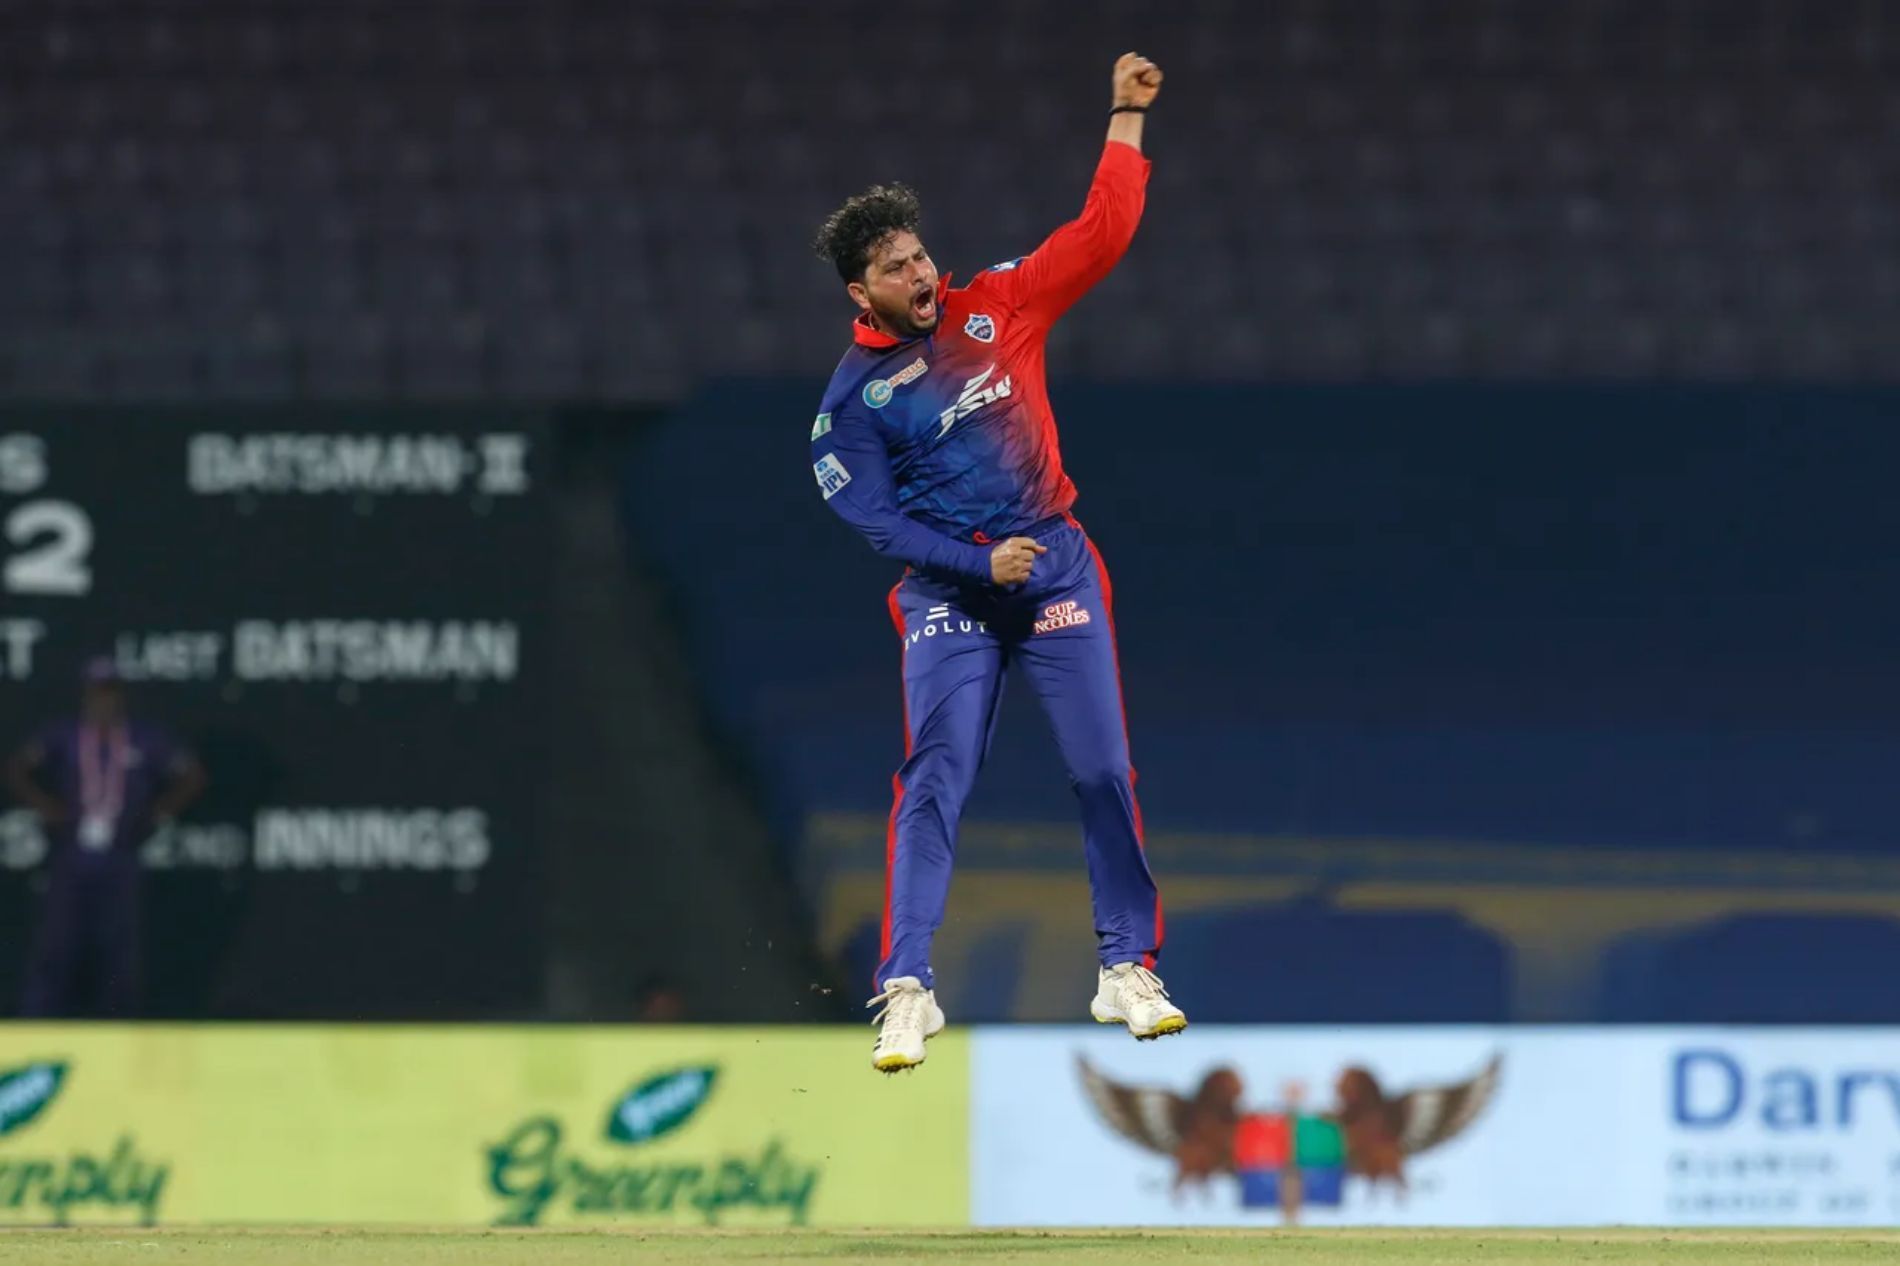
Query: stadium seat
point(1758, 969)
point(1540, 159)
point(1320, 965)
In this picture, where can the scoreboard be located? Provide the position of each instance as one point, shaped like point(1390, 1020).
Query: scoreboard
point(343, 613)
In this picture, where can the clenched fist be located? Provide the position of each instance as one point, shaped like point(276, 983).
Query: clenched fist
point(1136, 80)
point(1012, 561)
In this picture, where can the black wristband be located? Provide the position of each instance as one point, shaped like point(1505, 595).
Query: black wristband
point(1129, 110)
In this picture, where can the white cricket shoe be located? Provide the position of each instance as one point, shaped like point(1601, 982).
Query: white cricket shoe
point(1130, 994)
point(910, 1018)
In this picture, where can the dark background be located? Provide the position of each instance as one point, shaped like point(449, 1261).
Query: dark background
point(1490, 433)
point(1580, 614)
point(225, 936)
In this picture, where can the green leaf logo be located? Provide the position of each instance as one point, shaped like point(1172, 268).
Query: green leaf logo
point(25, 1092)
point(660, 1105)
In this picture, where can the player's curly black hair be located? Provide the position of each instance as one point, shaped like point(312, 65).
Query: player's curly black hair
point(852, 232)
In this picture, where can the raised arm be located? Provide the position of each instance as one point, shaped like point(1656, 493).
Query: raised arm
point(1046, 283)
point(1136, 82)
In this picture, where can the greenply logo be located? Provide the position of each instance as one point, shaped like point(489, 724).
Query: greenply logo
point(660, 1105)
point(25, 1092)
point(119, 1180)
point(531, 1170)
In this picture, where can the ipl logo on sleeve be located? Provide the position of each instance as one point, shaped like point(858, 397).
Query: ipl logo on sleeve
point(831, 474)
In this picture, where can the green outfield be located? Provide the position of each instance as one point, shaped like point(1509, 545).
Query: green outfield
point(419, 1247)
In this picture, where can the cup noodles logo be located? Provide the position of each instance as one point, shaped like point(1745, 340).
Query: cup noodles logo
point(1062, 615)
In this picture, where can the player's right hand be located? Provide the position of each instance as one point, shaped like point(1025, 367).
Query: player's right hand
point(1011, 562)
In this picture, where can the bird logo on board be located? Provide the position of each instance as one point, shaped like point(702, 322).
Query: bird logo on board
point(980, 328)
point(1287, 1158)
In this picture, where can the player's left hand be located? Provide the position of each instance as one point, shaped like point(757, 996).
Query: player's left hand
point(1136, 80)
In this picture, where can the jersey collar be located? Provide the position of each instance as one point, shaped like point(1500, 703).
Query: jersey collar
point(867, 335)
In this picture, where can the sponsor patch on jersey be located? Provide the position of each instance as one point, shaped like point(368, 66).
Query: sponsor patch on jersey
point(831, 474)
point(974, 396)
point(942, 622)
point(822, 426)
point(1062, 615)
point(878, 392)
point(1007, 264)
point(980, 327)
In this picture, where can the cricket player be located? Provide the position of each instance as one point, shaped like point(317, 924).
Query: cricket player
point(935, 441)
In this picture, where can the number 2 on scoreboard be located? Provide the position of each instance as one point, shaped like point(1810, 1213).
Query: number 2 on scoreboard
point(55, 540)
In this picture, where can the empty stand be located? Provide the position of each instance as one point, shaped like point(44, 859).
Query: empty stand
point(1757, 969)
point(607, 200)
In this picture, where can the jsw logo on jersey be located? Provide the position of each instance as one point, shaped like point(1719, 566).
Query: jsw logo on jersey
point(974, 396)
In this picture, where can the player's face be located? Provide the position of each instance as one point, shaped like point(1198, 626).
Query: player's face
point(102, 703)
point(900, 286)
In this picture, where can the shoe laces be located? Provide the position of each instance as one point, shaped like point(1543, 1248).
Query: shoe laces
point(1143, 984)
point(903, 1007)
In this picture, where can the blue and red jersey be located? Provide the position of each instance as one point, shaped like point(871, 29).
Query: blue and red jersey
point(130, 767)
point(936, 447)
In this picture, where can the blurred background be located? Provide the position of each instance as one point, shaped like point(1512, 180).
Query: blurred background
point(1491, 432)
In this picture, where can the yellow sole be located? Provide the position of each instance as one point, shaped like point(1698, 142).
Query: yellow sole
point(1173, 1024)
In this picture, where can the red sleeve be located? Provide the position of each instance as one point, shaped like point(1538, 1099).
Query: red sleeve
point(1042, 286)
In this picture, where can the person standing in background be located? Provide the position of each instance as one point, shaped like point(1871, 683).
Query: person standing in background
point(101, 784)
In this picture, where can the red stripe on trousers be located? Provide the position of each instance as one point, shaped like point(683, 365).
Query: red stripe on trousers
point(897, 798)
point(1141, 837)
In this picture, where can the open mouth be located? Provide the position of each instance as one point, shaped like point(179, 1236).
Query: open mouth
point(923, 307)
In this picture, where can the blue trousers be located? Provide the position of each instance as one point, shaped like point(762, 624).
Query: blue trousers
point(85, 955)
point(958, 641)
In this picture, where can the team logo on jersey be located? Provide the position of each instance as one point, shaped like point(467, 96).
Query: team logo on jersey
point(831, 474)
point(980, 328)
point(973, 397)
point(878, 392)
point(822, 426)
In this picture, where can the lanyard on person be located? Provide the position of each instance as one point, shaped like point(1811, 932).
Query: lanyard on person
point(103, 759)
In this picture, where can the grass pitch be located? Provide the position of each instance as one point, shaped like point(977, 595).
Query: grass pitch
point(416, 1247)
